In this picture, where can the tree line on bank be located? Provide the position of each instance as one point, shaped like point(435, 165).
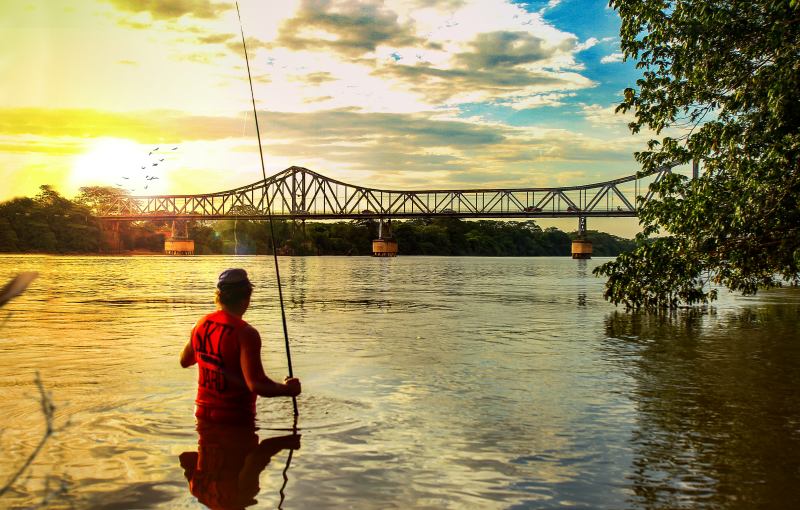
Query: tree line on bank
point(720, 86)
point(50, 223)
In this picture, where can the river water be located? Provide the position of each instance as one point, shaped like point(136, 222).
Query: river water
point(428, 382)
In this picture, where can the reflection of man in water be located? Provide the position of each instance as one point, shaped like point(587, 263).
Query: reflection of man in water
point(224, 472)
point(227, 351)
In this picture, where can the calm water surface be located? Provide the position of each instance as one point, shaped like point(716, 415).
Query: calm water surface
point(428, 383)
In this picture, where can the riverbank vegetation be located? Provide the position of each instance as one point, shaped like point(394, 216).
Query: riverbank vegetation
point(720, 84)
point(50, 223)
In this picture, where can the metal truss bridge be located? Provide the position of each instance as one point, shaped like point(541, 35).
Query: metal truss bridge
point(299, 193)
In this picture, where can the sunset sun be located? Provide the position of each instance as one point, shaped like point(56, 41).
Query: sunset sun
point(119, 163)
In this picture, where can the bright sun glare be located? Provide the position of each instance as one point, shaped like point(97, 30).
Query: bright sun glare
point(122, 164)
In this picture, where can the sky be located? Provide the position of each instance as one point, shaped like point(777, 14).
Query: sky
point(152, 95)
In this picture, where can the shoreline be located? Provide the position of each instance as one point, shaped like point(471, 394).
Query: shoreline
point(157, 254)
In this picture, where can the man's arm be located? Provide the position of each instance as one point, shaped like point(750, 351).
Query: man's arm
point(187, 354)
point(253, 370)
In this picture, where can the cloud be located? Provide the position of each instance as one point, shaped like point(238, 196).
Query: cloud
point(31, 144)
point(144, 127)
point(408, 133)
point(462, 85)
point(552, 4)
point(215, 38)
point(202, 58)
point(320, 99)
point(535, 101)
point(603, 116)
point(441, 4)
point(172, 9)
point(402, 56)
point(494, 65)
point(611, 59)
point(349, 28)
point(253, 44)
point(503, 50)
point(317, 78)
point(386, 150)
point(588, 43)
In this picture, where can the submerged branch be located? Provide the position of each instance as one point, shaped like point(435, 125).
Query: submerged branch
point(48, 410)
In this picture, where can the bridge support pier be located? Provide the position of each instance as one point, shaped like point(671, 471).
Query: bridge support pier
point(581, 247)
point(111, 238)
point(179, 243)
point(385, 245)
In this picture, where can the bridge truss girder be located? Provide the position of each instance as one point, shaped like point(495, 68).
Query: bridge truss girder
point(299, 193)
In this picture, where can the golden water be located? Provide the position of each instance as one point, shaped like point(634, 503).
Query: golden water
point(428, 383)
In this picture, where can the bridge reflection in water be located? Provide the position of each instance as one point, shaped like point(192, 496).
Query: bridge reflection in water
point(301, 194)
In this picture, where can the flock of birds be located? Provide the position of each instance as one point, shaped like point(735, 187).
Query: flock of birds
point(150, 164)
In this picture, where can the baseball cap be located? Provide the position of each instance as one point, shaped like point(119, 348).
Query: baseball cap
point(233, 276)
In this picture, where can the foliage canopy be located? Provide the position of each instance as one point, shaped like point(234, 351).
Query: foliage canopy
point(725, 75)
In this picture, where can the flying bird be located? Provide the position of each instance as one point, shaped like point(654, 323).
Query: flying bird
point(126, 177)
point(143, 168)
point(162, 159)
point(150, 178)
point(155, 164)
point(174, 148)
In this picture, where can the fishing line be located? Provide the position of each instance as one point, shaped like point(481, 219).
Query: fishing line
point(269, 209)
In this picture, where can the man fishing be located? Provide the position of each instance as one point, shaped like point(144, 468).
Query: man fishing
point(227, 351)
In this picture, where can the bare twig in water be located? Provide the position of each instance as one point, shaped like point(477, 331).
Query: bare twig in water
point(48, 409)
point(51, 494)
point(12, 289)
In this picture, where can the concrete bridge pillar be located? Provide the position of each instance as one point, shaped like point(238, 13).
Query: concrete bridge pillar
point(111, 237)
point(581, 247)
point(179, 243)
point(385, 245)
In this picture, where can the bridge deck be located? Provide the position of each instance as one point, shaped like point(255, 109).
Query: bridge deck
point(299, 193)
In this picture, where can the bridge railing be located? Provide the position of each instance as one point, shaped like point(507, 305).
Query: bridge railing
point(300, 193)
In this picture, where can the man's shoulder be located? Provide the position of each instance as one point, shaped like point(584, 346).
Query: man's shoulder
point(222, 317)
point(248, 330)
point(203, 319)
point(249, 337)
point(209, 316)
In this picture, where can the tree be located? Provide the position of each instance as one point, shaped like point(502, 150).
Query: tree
point(726, 75)
point(8, 237)
point(206, 240)
point(69, 223)
point(98, 198)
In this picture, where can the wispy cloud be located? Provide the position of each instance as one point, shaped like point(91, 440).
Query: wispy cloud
point(215, 38)
point(536, 100)
point(611, 59)
point(604, 116)
point(376, 145)
point(349, 28)
point(171, 9)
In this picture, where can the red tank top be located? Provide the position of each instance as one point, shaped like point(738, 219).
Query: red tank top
point(222, 394)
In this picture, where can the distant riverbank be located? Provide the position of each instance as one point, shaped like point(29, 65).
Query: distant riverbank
point(52, 224)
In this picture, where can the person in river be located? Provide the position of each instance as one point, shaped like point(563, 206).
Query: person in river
point(227, 351)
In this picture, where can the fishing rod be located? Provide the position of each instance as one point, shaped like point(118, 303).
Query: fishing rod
point(285, 475)
point(269, 212)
